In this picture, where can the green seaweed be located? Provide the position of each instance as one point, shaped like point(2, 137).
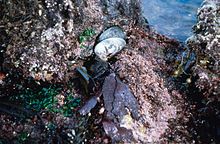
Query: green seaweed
point(86, 34)
point(22, 137)
point(45, 99)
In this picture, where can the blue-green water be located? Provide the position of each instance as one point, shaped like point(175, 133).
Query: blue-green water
point(173, 18)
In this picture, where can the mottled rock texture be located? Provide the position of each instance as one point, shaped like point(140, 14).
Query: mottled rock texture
point(137, 66)
point(206, 44)
point(205, 90)
point(44, 34)
point(44, 46)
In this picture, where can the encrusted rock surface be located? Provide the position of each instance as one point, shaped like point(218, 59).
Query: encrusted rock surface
point(206, 43)
point(205, 90)
point(44, 35)
point(137, 66)
point(44, 46)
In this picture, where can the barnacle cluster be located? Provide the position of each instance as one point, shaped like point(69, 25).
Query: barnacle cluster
point(205, 43)
point(45, 45)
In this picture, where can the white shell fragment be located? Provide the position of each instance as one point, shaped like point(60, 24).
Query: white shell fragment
point(112, 32)
point(109, 47)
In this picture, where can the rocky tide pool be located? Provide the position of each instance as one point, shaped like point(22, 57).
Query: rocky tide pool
point(173, 18)
point(94, 72)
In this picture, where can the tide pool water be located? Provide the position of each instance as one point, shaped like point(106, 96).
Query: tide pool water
point(173, 18)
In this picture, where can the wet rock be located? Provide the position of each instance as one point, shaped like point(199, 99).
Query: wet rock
point(4, 40)
point(141, 67)
point(45, 45)
point(205, 87)
point(115, 8)
point(205, 43)
point(118, 99)
point(89, 105)
point(118, 134)
point(44, 36)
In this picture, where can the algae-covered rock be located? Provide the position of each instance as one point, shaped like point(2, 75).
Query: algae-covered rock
point(48, 40)
point(44, 36)
point(205, 88)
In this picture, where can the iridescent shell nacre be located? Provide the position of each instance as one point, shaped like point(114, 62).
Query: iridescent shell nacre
point(110, 42)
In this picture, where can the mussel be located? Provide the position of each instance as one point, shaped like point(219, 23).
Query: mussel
point(112, 32)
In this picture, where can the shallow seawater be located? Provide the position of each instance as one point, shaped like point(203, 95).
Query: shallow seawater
point(173, 18)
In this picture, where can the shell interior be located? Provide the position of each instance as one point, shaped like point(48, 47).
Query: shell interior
point(109, 47)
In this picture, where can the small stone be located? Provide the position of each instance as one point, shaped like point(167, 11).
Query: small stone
point(188, 80)
point(106, 141)
point(90, 104)
point(118, 98)
point(101, 111)
point(40, 12)
point(2, 76)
